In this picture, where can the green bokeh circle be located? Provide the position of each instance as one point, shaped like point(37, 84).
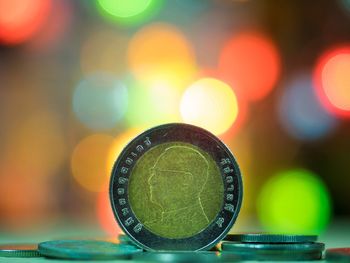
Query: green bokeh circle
point(128, 12)
point(294, 201)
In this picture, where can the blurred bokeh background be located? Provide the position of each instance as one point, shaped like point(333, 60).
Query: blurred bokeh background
point(79, 79)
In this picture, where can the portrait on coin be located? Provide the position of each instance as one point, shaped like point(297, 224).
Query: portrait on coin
point(181, 197)
point(177, 186)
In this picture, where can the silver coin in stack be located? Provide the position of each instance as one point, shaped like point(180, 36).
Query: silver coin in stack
point(270, 238)
point(275, 251)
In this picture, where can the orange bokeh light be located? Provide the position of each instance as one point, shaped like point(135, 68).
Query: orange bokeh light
point(250, 62)
point(161, 51)
point(105, 215)
point(89, 162)
point(26, 199)
point(21, 19)
point(332, 80)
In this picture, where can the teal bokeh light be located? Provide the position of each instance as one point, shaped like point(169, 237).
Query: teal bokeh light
point(128, 12)
point(100, 101)
point(294, 201)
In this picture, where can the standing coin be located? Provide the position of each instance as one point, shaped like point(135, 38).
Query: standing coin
point(19, 250)
point(176, 187)
point(270, 238)
point(86, 250)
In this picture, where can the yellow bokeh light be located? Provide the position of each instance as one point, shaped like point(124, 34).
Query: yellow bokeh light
point(88, 162)
point(161, 51)
point(211, 104)
point(118, 145)
point(104, 51)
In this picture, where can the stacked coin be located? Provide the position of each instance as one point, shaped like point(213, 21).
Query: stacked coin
point(86, 250)
point(274, 247)
point(185, 256)
point(19, 250)
point(338, 254)
point(176, 187)
point(124, 239)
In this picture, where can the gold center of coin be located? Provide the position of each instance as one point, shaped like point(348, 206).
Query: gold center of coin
point(176, 190)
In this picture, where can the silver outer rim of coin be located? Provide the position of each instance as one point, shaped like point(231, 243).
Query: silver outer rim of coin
point(270, 238)
point(48, 249)
point(172, 132)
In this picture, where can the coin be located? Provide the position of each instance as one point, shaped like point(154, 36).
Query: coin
point(86, 250)
point(124, 239)
point(287, 251)
point(338, 254)
point(270, 238)
point(176, 187)
point(182, 256)
point(19, 250)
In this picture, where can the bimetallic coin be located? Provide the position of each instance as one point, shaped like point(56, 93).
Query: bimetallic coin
point(338, 254)
point(270, 238)
point(185, 257)
point(287, 251)
point(86, 250)
point(19, 250)
point(176, 187)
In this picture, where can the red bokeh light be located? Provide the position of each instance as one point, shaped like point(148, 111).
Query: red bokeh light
point(105, 215)
point(251, 63)
point(332, 80)
point(21, 19)
point(55, 27)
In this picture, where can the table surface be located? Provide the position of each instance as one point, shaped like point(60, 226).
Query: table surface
point(337, 235)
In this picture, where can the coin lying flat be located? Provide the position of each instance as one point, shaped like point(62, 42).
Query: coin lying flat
point(86, 250)
point(270, 238)
point(338, 254)
point(19, 250)
point(124, 239)
point(287, 251)
point(182, 256)
point(176, 187)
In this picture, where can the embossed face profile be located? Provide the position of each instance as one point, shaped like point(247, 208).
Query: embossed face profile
point(176, 190)
point(182, 181)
